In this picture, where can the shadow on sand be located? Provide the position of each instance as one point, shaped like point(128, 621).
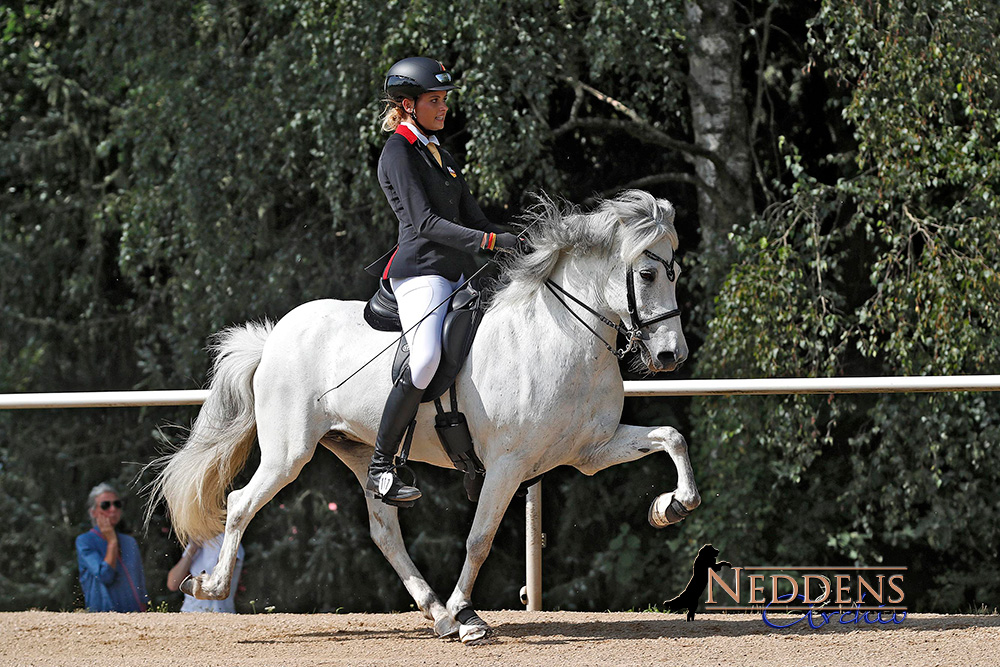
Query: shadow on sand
point(563, 629)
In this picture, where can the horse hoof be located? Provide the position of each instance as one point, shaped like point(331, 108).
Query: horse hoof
point(187, 586)
point(666, 510)
point(473, 634)
point(472, 629)
point(446, 627)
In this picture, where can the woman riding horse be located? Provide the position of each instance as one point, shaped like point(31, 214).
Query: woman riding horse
point(440, 227)
point(554, 398)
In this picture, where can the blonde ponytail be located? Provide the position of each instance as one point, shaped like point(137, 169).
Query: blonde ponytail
point(392, 116)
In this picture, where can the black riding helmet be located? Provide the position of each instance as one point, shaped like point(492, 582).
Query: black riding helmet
point(410, 77)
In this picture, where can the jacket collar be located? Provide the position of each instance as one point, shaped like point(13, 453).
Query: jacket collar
point(407, 133)
point(413, 135)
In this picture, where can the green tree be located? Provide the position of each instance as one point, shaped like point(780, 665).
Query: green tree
point(886, 269)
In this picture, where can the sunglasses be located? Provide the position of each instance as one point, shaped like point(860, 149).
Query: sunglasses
point(106, 505)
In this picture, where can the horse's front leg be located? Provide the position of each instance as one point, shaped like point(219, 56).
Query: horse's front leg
point(498, 489)
point(633, 442)
point(385, 532)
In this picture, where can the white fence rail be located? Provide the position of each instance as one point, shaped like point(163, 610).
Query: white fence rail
point(101, 399)
point(533, 510)
point(855, 385)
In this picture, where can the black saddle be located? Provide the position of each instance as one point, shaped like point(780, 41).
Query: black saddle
point(460, 324)
point(465, 312)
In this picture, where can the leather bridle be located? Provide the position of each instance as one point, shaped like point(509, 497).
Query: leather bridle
point(632, 332)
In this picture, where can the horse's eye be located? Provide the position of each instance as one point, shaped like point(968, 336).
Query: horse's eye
point(649, 275)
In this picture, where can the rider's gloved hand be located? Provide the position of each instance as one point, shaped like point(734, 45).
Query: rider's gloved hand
point(502, 242)
point(524, 246)
point(508, 242)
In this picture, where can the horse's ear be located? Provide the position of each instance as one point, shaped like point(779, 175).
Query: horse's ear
point(666, 209)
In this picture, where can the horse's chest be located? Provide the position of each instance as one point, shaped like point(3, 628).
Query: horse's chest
point(577, 423)
point(559, 401)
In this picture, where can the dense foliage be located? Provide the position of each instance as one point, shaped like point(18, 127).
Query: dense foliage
point(167, 169)
point(887, 269)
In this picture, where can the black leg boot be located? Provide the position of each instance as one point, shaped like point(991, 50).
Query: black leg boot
point(400, 409)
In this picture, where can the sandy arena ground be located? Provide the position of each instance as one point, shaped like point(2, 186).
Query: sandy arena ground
point(519, 638)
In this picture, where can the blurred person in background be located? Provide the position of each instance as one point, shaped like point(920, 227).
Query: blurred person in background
point(111, 572)
point(198, 558)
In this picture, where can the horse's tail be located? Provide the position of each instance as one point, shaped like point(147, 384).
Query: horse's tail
point(195, 477)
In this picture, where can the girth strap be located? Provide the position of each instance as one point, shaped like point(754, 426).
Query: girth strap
point(453, 431)
point(454, 401)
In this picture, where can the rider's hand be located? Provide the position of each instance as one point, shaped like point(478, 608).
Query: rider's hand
point(507, 242)
point(493, 243)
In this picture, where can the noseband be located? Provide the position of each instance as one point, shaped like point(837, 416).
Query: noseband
point(632, 332)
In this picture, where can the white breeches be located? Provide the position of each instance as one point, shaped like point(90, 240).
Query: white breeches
point(416, 297)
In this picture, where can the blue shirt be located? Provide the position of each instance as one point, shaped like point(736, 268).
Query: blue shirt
point(107, 588)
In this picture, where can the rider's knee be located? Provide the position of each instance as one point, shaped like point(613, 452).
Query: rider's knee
point(423, 365)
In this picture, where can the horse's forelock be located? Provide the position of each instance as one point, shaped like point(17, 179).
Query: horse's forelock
point(644, 219)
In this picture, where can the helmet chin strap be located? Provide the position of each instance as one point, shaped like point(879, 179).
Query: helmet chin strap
point(413, 117)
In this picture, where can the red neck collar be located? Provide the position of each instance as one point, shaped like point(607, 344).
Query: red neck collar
point(407, 133)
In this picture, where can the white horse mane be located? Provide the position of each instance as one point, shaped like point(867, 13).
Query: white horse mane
point(626, 225)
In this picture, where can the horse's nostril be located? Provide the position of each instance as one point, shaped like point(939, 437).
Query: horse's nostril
point(667, 358)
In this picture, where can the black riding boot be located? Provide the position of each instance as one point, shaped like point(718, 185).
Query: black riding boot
point(400, 409)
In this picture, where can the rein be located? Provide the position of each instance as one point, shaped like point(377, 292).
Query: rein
point(633, 332)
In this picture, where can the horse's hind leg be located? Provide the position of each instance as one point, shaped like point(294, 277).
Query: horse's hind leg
point(384, 524)
point(284, 449)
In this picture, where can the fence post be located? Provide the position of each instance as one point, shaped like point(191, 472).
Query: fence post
point(533, 545)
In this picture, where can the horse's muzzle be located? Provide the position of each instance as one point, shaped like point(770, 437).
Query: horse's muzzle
point(667, 361)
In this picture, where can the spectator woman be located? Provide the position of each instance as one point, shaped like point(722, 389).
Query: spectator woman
point(110, 563)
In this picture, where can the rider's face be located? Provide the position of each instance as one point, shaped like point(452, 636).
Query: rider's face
point(431, 109)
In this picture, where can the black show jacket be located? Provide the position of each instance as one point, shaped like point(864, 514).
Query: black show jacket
point(440, 224)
